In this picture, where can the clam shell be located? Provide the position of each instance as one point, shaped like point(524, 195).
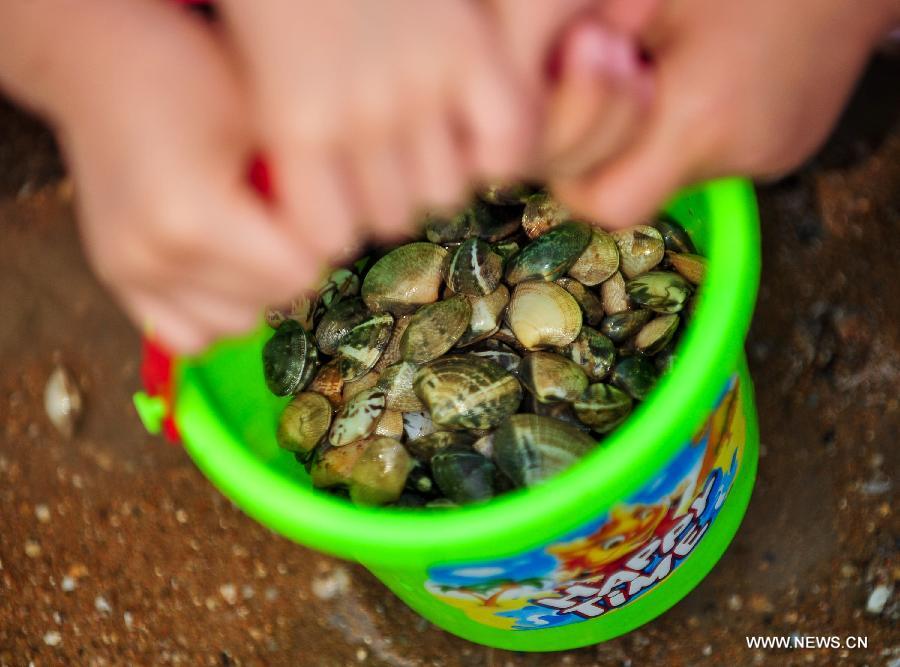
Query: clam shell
point(329, 383)
point(543, 315)
point(506, 249)
point(500, 354)
point(613, 294)
point(674, 236)
point(593, 352)
point(602, 407)
point(289, 359)
point(656, 334)
point(622, 326)
point(660, 291)
point(551, 377)
point(353, 387)
point(303, 422)
point(542, 213)
point(332, 466)
point(560, 411)
point(360, 349)
point(339, 284)
point(590, 304)
point(691, 267)
point(391, 354)
point(640, 249)
point(475, 269)
point(405, 278)
point(397, 384)
point(440, 229)
point(505, 336)
point(548, 257)
point(390, 424)
point(598, 261)
point(435, 328)
point(62, 401)
point(635, 375)
point(487, 314)
point(463, 475)
point(485, 445)
point(426, 447)
point(493, 223)
point(506, 194)
point(379, 475)
point(530, 449)
point(417, 425)
point(337, 322)
point(358, 418)
point(467, 392)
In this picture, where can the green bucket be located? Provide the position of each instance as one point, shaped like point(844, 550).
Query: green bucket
point(593, 553)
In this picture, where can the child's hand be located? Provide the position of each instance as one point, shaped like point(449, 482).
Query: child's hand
point(583, 64)
point(743, 87)
point(371, 110)
point(153, 128)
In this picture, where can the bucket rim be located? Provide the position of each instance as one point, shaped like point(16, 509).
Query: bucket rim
point(509, 524)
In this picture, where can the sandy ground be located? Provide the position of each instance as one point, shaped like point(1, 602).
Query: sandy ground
point(115, 550)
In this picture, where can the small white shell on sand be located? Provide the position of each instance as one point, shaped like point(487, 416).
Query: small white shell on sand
point(62, 401)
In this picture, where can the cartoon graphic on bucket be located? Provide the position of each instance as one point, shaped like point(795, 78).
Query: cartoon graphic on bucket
point(616, 557)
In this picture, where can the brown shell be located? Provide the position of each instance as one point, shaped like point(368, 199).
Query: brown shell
point(353, 387)
point(329, 383)
point(613, 294)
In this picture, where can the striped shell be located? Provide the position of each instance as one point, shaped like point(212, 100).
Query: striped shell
point(602, 407)
point(337, 322)
point(475, 268)
point(435, 328)
point(530, 449)
point(593, 352)
point(360, 349)
point(467, 392)
point(397, 384)
point(405, 278)
point(543, 315)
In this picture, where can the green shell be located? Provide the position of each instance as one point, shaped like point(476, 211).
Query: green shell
point(435, 328)
point(603, 407)
point(475, 268)
point(548, 257)
point(290, 359)
point(593, 352)
point(362, 346)
point(636, 375)
point(405, 278)
point(674, 236)
point(467, 392)
point(530, 449)
point(337, 322)
point(660, 291)
point(463, 475)
point(622, 326)
point(591, 307)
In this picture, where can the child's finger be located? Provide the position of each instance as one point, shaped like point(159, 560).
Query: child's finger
point(313, 195)
point(380, 183)
point(601, 89)
point(435, 162)
point(636, 184)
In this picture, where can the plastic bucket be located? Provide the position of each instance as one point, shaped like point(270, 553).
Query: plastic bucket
point(592, 554)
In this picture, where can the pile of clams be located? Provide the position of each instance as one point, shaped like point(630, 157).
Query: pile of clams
point(490, 355)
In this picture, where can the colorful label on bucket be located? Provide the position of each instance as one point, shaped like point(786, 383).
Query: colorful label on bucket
point(615, 558)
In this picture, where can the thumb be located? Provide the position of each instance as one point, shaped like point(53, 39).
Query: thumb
point(632, 187)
